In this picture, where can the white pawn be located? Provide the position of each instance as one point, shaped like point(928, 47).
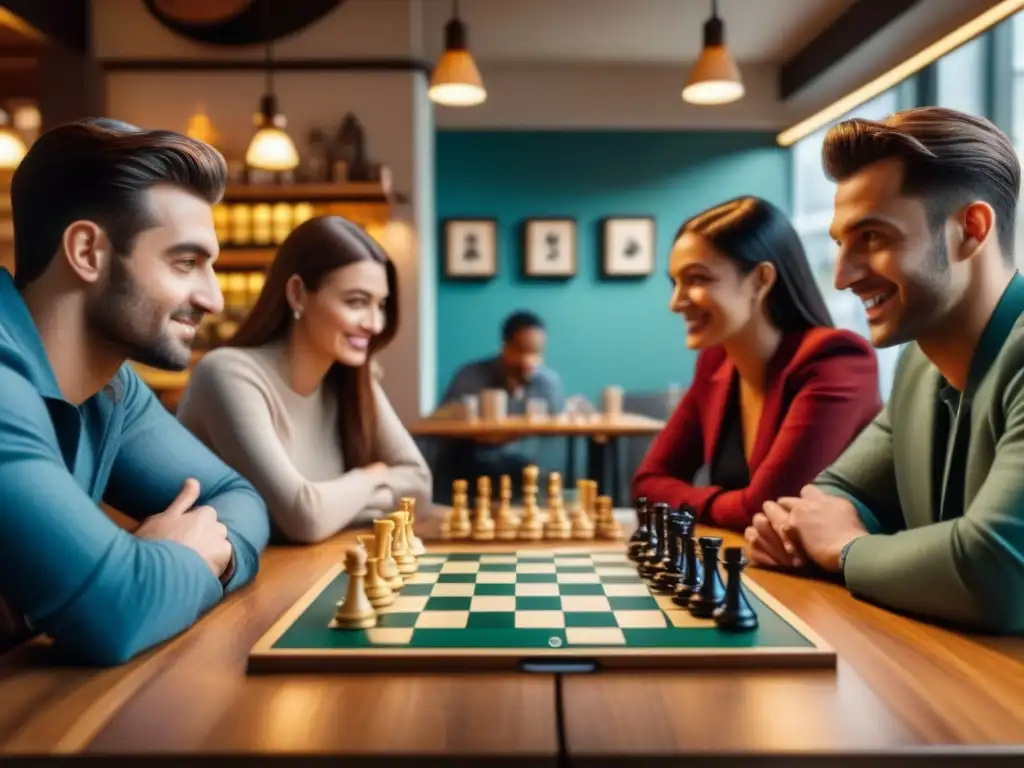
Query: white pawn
point(355, 611)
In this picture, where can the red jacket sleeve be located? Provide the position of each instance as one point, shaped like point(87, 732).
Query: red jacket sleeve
point(677, 452)
point(837, 396)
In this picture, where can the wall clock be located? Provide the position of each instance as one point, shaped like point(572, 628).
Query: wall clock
point(237, 22)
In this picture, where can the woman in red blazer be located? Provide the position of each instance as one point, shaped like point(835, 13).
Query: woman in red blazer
point(778, 393)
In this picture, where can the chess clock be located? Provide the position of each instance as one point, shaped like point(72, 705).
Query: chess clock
point(237, 22)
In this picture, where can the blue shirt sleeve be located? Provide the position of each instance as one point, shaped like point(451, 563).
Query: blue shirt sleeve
point(158, 453)
point(99, 592)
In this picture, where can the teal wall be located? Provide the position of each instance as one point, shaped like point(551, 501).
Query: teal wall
point(600, 333)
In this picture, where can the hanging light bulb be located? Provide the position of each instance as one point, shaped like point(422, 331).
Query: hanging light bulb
point(12, 146)
point(456, 80)
point(715, 78)
point(271, 148)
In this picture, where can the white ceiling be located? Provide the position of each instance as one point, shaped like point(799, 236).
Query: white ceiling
point(627, 31)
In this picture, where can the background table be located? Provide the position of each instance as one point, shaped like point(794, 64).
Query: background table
point(602, 434)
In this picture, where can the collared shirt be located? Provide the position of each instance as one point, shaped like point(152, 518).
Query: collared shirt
point(66, 569)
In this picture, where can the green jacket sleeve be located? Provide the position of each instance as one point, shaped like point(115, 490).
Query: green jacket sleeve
point(865, 475)
point(968, 570)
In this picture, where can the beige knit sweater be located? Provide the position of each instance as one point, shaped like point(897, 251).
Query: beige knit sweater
point(239, 404)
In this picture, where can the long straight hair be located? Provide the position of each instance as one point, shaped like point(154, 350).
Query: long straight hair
point(314, 249)
point(749, 230)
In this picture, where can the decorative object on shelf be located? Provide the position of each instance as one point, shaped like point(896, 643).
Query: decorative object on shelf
point(252, 220)
point(200, 128)
point(470, 248)
point(456, 80)
point(549, 248)
point(317, 161)
point(627, 246)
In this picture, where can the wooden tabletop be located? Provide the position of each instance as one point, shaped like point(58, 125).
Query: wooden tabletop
point(900, 684)
point(595, 425)
point(193, 695)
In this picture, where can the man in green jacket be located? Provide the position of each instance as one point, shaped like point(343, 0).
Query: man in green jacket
point(114, 248)
point(924, 513)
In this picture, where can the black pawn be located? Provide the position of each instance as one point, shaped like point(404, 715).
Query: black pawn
point(735, 614)
point(652, 562)
point(638, 542)
point(667, 580)
point(712, 591)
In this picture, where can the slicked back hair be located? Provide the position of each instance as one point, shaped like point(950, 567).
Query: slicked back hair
point(949, 158)
point(99, 170)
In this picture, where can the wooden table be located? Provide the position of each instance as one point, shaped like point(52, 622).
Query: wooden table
point(900, 685)
point(192, 694)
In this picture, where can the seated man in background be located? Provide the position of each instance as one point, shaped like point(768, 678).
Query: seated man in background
point(114, 245)
point(924, 513)
point(519, 370)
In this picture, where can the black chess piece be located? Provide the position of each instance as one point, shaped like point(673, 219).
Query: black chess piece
point(712, 592)
point(693, 572)
point(735, 614)
point(638, 542)
point(644, 554)
point(666, 580)
point(658, 553)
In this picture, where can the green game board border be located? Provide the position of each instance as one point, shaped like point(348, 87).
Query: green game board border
point(264, 657)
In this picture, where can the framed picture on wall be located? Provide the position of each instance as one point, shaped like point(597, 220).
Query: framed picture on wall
point(470, 249)
point(549, 248)
point(627, 246)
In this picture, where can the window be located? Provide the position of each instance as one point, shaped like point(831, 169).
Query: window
point(960, 77)
point(812, 209)
point(1017, 120)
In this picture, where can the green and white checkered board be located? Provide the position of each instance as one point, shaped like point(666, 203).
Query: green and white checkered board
point(467, 610)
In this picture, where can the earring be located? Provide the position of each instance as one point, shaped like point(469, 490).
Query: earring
point(297, 314)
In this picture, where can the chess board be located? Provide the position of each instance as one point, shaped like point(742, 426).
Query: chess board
point(532, 610)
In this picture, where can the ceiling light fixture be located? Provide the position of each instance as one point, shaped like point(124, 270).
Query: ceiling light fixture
point(456, 80)
point(715, 78)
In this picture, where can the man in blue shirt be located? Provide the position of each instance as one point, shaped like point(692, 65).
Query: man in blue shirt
point(114, 249)
point(519, 370)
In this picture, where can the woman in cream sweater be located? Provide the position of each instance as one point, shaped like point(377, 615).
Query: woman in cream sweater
point(291, 401)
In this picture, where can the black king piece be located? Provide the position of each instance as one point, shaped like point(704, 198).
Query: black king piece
point(667, 580)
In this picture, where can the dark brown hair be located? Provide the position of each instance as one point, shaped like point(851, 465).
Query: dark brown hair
point(99, 169)
point(950, 158)
point(749, 230)
point(314, 249)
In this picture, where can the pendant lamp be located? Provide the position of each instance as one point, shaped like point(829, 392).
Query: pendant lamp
point(271, 148)
point(715, 78)
point(456, 80)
